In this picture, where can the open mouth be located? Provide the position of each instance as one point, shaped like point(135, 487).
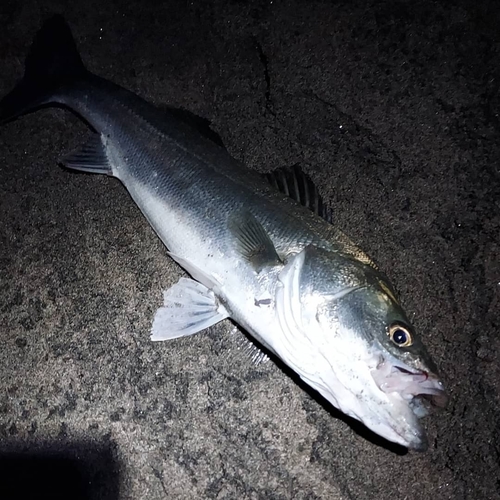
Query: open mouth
point(393, 376)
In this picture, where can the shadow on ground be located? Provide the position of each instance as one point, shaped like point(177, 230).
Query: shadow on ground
point(78, 471)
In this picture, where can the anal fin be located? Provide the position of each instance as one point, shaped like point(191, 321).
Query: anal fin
point(91, 157)
point(189, 307)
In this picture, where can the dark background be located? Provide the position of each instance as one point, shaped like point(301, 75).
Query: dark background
point(392, 108)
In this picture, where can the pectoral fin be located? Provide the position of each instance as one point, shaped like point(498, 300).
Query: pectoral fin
point(253, 242)
point(189, 307)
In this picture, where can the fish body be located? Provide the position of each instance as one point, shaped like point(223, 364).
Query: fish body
point(291, 279)
point(195, 196)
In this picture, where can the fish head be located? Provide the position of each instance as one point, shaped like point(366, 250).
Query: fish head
point(346, 335)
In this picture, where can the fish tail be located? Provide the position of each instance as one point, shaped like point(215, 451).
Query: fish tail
point(53, 62)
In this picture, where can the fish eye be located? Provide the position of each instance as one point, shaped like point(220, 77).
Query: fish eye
point(400, 335)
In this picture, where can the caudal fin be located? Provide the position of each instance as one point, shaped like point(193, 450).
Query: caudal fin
point(53, 61)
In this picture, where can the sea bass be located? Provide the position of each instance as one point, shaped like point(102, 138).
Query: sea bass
point(259, 255)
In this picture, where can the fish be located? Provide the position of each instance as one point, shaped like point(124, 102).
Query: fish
point(259, 250)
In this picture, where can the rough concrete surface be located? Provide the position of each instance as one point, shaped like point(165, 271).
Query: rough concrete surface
point(392, 107)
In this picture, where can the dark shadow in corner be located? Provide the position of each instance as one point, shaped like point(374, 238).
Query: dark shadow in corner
point(57, 471)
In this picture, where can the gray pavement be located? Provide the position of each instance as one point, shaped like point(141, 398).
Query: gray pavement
point(392, 108)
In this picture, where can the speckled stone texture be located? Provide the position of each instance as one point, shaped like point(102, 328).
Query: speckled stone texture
point(392, 107)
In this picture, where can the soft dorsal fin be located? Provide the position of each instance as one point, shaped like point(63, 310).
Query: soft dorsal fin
point(299, 186)
point(202, 125)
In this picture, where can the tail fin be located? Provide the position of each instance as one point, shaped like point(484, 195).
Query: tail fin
point(53, 61)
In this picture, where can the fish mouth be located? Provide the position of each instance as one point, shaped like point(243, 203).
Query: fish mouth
point(393, 376)
point(418, 389)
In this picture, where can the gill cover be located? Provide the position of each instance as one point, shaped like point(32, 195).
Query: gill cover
point(305, 287)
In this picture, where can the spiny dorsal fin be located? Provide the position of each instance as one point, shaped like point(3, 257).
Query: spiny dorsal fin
point(299, 186)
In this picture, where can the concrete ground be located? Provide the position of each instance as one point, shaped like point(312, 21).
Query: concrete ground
point(392, 107)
